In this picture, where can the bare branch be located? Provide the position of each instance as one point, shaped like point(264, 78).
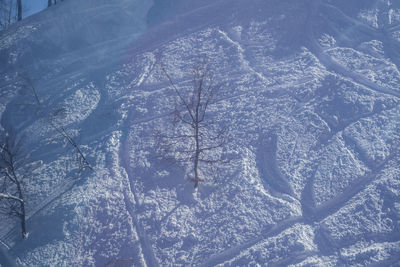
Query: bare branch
point(84, 163)
point(61, 130)
point(11, 197)
point(29, 84)
point(10, 155)
point(185, 104)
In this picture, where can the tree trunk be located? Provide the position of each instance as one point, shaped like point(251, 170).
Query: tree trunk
point(19, 7)
point(196, 156)
point(22, 213)
point(197, 139)
point(10, 14)
point(23, 220)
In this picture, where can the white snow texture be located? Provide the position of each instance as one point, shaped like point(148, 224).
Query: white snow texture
point(309, 92)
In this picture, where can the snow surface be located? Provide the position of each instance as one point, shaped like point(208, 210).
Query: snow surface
point(310, 93)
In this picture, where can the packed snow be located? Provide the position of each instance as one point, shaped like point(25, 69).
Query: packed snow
point(309, 95)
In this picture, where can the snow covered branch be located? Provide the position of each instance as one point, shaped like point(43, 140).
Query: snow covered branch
point(11, 197)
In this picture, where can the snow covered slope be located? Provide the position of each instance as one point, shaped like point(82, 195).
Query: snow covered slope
point(310, 93)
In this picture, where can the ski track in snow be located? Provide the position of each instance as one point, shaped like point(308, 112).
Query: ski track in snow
point(242, 56)
point(315, 215)
point(276, 183)
point(132, 208)
point(357, 78)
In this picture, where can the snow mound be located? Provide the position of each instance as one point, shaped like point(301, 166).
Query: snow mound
point(310, 98)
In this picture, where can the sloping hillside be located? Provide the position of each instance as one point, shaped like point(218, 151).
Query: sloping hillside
point(309, 95)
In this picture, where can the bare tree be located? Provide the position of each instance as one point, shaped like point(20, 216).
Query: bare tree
point(19, 8)
point(13, 170)
point(195, 137)
point(56, 124)
point(8, 13)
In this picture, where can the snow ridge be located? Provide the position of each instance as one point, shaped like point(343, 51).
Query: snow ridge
point(310, 98)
